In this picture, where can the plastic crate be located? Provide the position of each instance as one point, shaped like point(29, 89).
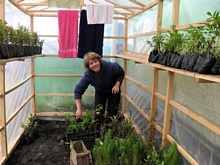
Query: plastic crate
point(88, 137)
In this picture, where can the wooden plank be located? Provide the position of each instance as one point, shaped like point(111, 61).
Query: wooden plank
point(126, 36)
point(60, 95)
point(14, 143)
point(124, 87)
point(3, 132)
point(18, 85)
point(19, 7)
point(200, 80)
point(52, 114)
point(139, 84)
point(141, 111)
point(142, 34)
point(58, 75)
point(211, 78)
point(147, 7)
point(2, 10)
point(168, 109)
point(138, 3)
point(33, 87)
point(160, 96)
point(18, 110)
point(32, 4)
point(159, 16)
point(183, 152)
point(4, 61)
point(153, 103)
point(206, 123)
point(175, 15)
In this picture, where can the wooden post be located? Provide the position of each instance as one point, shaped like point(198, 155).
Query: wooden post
point(81, 4)
point(159, 15)
point(3, 132)
point(33, 87)
point(31, 24)
point(124, 88)
point(126, 36)
point(153, 103)
point(168, 109)
point(2, 10)
point(155, 77)
point(175, 16)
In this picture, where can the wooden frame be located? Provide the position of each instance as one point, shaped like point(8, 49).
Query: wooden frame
point(138, 58)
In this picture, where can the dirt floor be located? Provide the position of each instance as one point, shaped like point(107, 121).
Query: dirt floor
point(47, 149)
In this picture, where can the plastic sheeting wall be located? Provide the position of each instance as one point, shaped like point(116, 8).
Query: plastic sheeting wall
point(16, 72)
point(203, 99)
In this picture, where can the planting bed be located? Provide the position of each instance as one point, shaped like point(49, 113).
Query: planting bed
point(47, 149)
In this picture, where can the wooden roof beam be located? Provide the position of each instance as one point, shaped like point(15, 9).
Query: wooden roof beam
point(18, 1)
point(152, 4)
point(42, 11)
point(137, 3)
point(19, 7)
point(33, 4)
point(116, 5)
point(119, 6)
point(121, 13)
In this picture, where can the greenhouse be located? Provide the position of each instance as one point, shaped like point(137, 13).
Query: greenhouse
point(168, 49)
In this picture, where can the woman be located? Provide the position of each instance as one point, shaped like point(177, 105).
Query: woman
point(106, 77)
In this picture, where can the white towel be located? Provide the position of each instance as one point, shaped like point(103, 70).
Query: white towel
point(99, 14)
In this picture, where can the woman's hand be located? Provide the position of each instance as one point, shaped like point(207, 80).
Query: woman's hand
point(116, 88)
point(79, 108)
point(78, 114)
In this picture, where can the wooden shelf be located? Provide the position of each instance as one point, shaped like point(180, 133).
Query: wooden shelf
point(143, 59)
point(4, 61)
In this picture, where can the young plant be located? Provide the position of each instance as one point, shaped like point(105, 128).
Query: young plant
point(173, 40)
point(156, 42)
point(212, 26)
point(30, 125)
point(85, 123)
point(194, 41)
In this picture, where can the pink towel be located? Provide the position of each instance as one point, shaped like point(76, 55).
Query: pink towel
point(100, 14)
point(68, 33)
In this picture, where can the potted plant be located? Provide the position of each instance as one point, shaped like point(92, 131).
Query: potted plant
point(193, 46)
point(30, 130)
point(156, 43)
point(171, 46)
point(213, 35)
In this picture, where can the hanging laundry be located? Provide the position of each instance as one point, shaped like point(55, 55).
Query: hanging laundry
point(68, 33)
point(100, 14)
point(90, 36)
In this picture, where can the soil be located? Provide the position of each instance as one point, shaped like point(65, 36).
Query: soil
point(48, 149)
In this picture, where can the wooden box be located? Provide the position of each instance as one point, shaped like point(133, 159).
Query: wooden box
point(79, 154)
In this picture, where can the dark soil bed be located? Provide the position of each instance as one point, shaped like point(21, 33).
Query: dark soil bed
point(47, 149)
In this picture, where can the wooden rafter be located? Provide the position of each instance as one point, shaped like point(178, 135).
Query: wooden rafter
point(116, 5)
point(29, 7)
point(21, 8)
point(33, 4)
point(43, 11)
point(137, 3)
point(19, 1)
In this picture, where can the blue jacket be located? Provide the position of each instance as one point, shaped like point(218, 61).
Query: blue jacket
point(102, 82)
